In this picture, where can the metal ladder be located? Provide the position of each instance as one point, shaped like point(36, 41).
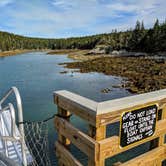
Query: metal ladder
point(14, 136)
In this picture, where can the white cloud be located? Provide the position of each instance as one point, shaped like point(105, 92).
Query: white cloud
point(138, 7)
point(65, 5)
point(88, 15)
point(122, 7)
point(5, 2)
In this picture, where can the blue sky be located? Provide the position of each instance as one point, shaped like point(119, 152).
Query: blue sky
point(66, 18)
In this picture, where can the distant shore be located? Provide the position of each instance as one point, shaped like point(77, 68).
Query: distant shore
point(62, 51)
point(15, 52)
point(76, 54)
point(69, 52)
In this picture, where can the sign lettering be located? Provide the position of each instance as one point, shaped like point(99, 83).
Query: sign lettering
point(137, 125)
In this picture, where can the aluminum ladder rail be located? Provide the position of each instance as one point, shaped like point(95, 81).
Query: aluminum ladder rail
point(20, 119)
point(4, 161)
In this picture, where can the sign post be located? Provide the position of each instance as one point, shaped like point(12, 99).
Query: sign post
point(137, 125)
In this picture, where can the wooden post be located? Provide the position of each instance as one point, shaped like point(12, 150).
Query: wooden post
point(98, 115)
point(156, 142)
point(98, 134)
point(162, 138)
point(65, 115)
point(159, 141)
point(63, 140)
point(163, 116)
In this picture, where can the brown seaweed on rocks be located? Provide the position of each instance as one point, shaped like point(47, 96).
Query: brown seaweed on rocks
point(143, 75)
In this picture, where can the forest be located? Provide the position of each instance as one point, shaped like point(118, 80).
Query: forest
point(138, 39)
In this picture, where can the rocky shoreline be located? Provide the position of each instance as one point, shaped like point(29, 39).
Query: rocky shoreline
point(140, 74)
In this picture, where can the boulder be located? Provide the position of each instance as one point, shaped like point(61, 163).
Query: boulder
point(100, 49)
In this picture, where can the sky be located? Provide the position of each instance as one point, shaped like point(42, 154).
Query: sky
point(71, 18)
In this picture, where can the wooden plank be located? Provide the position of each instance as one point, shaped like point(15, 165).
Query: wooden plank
point(110, 111)
point(110, 146)
point(112, 105)
point(63, 140)
point(114, 116)
point(161, 141)
point(98, 115)
point(98, 134)
point(107, 112)
point(150, 158)
point(131, 101)
point(162, 138)
point(82, 141)
point(65, 157)
point(117, 163)
point(66, 115)
point(80, 106)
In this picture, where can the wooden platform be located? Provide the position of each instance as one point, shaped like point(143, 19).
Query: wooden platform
point(98, 115)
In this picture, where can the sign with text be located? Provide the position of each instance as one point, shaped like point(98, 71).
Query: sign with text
point(137, 125)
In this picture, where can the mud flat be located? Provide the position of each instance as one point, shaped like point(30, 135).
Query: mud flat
point(140, 74)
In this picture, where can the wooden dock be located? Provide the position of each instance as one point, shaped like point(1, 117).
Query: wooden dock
point(100, 114)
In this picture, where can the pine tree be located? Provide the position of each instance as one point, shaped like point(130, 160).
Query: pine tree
point(156, 25)
point(142, 26)
point(136, 37)
point(138, 26)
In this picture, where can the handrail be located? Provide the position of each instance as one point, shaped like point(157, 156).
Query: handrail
point(89, 109)
point(13, 119)
point(20, 118)
point(7, 161)
point(98, 115)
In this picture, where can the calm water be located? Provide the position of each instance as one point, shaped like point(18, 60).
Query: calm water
point(37, 75)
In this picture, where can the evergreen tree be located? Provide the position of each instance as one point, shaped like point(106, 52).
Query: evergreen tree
point(137, 36)
point(142, 26)
point(156, 25)
point(139, 39)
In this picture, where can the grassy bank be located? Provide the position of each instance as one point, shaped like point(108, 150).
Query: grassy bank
point(143, 75)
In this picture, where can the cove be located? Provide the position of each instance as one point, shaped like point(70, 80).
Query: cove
point(37, 75)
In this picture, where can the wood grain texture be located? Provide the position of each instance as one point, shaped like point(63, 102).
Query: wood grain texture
point(110, 146)
point(85, 143)
point(98, 115)
point(150, 158)
point(98, 134)
point(65, 157)
point(103, 113)
point(78, 105)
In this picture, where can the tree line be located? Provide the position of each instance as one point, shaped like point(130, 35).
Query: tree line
point(151, 40)
point(137, 39)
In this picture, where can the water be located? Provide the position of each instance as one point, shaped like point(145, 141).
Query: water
point(37, 75)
